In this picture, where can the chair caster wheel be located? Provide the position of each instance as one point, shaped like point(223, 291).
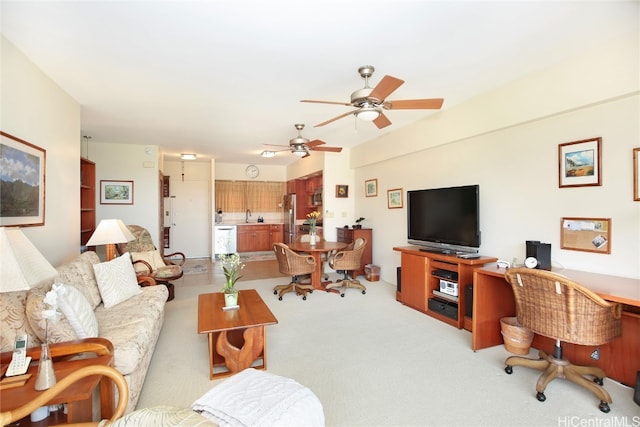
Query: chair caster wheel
point(604, 406)
point(598, 381)
point(541, 397)
point(508, 369)
point(342, 295)
point(279, 298)
point(304, 298)
point(275, 292)
point(364, 292)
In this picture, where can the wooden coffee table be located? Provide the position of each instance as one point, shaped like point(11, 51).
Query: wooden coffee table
point(237, 338)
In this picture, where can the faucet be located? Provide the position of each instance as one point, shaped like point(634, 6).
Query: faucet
point(247, 215)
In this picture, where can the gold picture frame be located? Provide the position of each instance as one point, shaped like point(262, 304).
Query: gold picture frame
point(371, 188)
point(22, 200)
point(342, 191)
point(394, 198)
point(586, 234)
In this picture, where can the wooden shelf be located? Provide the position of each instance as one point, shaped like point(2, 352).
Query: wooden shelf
point(87, 199)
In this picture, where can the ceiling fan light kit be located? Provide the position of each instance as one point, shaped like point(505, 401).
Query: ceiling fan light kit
point(370, 102)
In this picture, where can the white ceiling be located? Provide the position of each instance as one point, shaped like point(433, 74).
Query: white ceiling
point(221, 78)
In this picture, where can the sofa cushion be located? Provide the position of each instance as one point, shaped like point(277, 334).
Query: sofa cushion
point(153, 258)
point(13, 320)
point(133, 326)
point(116, 280)
point(79, 274)
point(59, 330)
point(75, 307)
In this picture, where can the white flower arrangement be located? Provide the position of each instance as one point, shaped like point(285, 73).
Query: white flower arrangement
point(50, 313)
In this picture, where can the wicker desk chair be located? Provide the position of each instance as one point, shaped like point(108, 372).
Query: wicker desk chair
point(556, 307)
point(348, 260)
point(294, 265)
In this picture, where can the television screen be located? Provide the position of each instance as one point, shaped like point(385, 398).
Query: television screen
point(444, 218)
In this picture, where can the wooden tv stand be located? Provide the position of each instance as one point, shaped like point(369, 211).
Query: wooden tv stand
point(420, 277)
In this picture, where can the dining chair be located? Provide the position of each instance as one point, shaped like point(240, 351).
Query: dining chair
point(294, 265)
point(347, 261)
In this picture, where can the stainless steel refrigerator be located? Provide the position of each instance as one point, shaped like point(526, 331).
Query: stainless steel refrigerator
point(289, 206)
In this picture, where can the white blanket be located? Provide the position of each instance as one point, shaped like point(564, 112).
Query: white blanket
point(257, 398)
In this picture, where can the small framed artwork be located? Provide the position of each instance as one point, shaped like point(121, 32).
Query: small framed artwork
point(371, 188)
point(580, 163)
point(394, 198)
point(342, 191)
point(23, 182)
point(636, 174)
point(116, 192)
point(586, 234)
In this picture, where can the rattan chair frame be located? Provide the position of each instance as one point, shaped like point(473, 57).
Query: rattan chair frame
point(348, 261)
point(556, 307)
point(294, 265)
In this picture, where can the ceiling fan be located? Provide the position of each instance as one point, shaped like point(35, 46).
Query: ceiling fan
point(302, 146)
point(370, 102)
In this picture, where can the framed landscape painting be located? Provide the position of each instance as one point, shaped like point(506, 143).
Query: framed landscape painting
point(394, 198)
point(580, 163)
point(22, 176)
point(116, 192)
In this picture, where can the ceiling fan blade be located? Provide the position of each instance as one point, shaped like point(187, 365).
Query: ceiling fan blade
point(382, 121)
point(315, 142)
point(335, 118)
point(332, 149)
point(414, 104)
point(276, 145)
point(327, 102)
point(387, 85)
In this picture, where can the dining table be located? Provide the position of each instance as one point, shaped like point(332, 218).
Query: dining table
point(316, 250)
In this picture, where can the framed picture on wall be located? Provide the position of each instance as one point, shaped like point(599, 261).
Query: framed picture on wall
point(342, 191)
point(636, 174)
point(116, 192)
point(394, 198)
point(23, 176)
point(371, 188)
point(580, 163)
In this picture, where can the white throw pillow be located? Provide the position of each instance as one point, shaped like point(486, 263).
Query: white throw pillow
point(75, 307)
point(153, 258)
point(116, 280)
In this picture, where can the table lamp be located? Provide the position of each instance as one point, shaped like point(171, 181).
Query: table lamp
point(110, 232)
point(22, 265)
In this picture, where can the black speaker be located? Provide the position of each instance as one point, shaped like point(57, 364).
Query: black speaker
point(541, 252)
point(399, 279)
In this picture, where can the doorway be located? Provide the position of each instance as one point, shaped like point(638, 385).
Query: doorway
point(190, 218)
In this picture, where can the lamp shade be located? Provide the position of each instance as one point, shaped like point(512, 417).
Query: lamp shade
point(22, 265)
point(368, 113)
point(110, 231)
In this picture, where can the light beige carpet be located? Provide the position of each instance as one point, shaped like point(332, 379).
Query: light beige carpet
point(375, 362)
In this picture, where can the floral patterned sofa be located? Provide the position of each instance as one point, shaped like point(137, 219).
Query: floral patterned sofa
point(131, 322)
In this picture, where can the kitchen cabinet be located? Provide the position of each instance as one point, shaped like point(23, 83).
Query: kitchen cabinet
point(254, 238)
point(275, 234)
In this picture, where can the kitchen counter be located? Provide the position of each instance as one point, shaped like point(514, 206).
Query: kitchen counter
point(239, 223)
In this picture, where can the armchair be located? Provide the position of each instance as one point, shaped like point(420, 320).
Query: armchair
point(148, 260)
point(295, 265)
point(345, 261)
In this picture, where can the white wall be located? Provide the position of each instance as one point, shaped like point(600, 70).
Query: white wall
point(129, 162)
point(35, 109)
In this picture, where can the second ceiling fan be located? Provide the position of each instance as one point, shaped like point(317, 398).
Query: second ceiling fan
point(370, 102)
point(301, 146)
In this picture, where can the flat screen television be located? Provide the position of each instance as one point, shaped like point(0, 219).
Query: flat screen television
point(444, 220)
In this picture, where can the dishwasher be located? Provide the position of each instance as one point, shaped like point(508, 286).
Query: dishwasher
point(225, 239)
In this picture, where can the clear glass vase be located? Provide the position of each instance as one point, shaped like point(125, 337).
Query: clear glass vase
point(46, 376)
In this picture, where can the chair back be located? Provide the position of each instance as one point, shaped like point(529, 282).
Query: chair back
point(554, 306)
point(142, 242)
point(291, 263)
point(349, 259)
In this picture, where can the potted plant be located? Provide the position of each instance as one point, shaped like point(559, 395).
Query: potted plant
point(357, 225)
point(231, 266)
